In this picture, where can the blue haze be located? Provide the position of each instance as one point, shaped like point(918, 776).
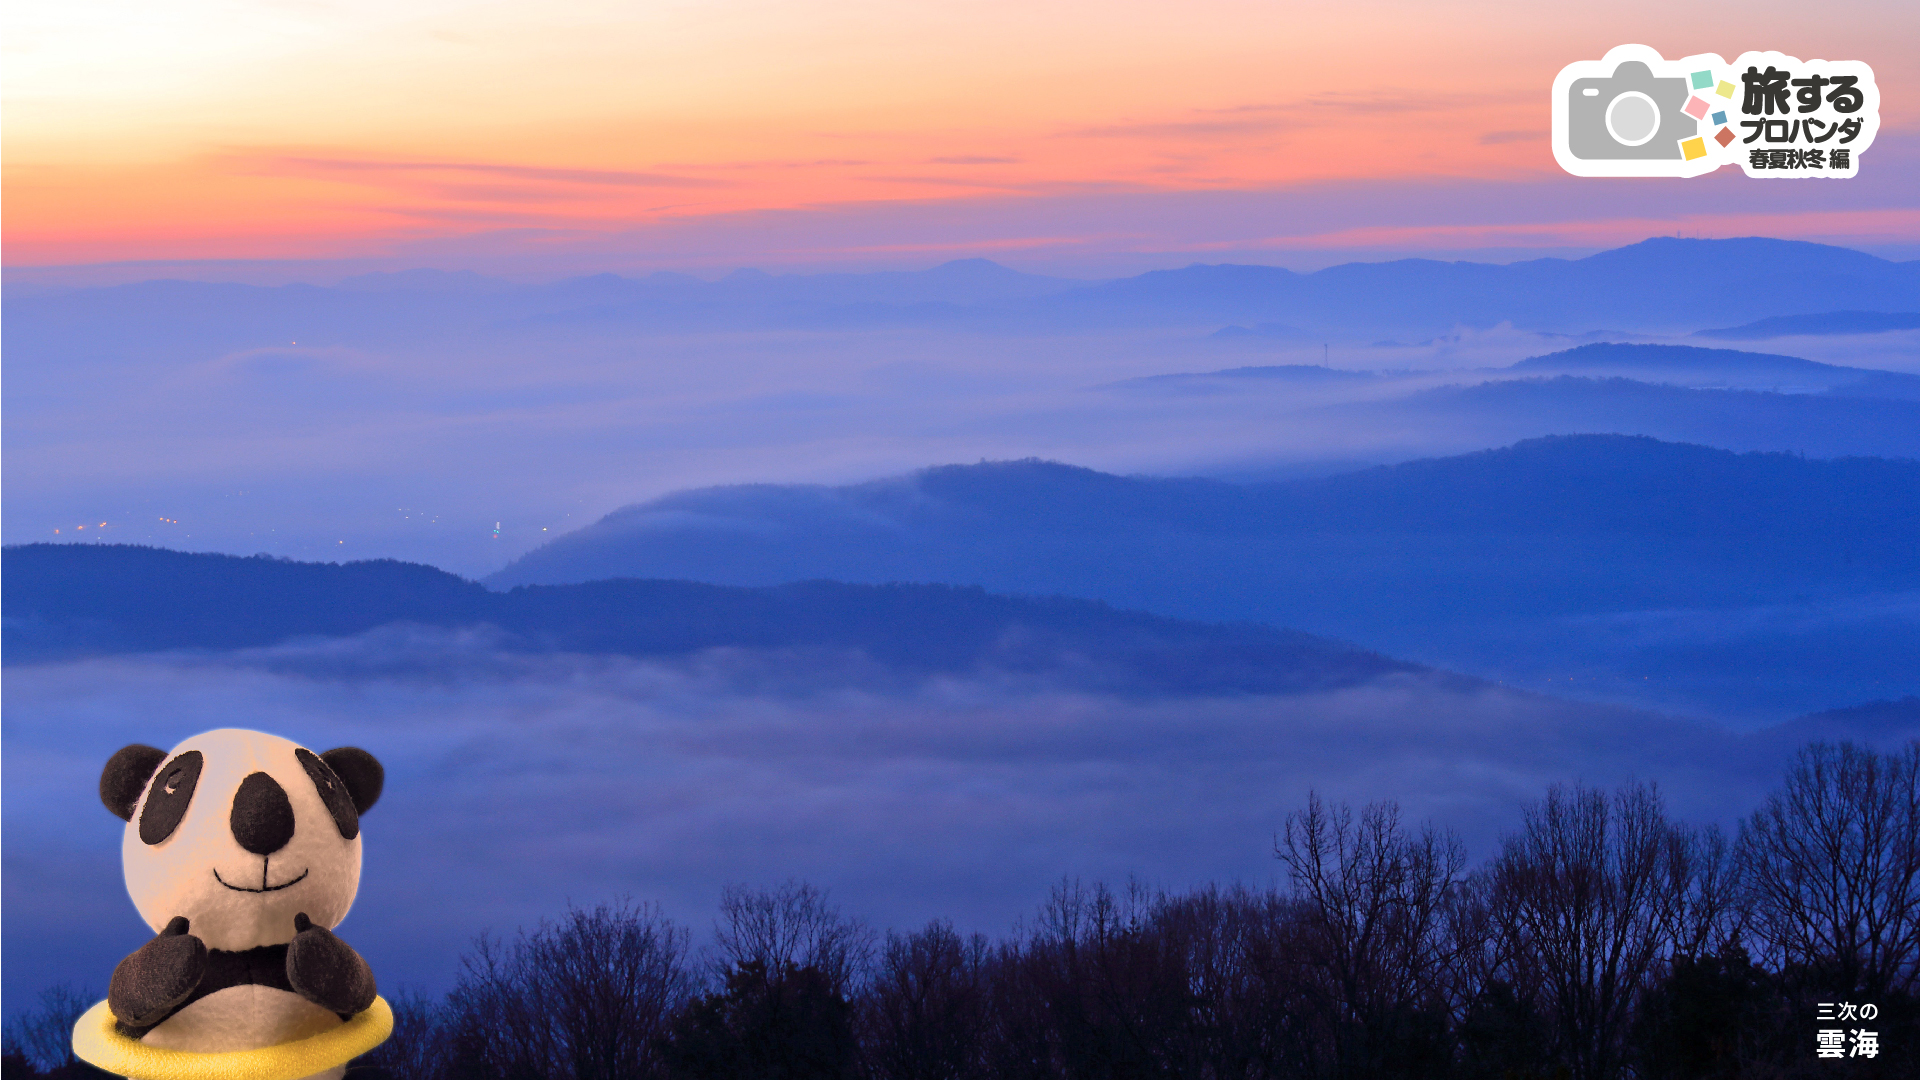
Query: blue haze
point(1733, 531)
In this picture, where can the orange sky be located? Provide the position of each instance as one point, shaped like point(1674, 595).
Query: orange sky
point(309, 129)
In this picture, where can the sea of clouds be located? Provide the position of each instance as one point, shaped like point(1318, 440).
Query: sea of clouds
point(518, 783)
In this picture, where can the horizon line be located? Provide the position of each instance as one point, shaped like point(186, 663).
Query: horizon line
point(354, 267)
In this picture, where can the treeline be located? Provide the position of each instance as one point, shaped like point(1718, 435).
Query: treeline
point(1603, 940)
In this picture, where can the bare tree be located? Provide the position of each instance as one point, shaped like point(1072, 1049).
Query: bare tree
point(1113, 984)
point(791, 927)
point(412, 1052)
point(45, 1035)
point(1376, 900)
point(1710, 913)
point(924, 1014)
point(584, 999)
point(1246, 964)
point(1589, 898)
point(1832, 865)
point(1377, 895)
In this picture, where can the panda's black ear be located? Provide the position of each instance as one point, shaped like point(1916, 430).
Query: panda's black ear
point(126, 776)
point(360, 771)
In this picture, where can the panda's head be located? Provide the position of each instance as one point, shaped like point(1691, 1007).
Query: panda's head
point(239, 831)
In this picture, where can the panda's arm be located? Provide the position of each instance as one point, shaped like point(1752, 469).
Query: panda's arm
point(157, 977)
point(326, 971)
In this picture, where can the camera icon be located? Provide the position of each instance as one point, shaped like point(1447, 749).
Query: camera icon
point(1630, 115)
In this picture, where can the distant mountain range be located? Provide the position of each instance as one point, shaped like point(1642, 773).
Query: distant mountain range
point(1673, 365)
point(1662, 283)
point(1745, 587)
point(1878, 723)
point(1658, 284)
point(1723, 368)
point(69, 600)
point(1538, 562)
point(1715, 397)
point(1828, 323)
point(1754, 508)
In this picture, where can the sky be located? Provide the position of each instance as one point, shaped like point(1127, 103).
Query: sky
point(1089, 139)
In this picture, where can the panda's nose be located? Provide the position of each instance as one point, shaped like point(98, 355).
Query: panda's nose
point(262, 816)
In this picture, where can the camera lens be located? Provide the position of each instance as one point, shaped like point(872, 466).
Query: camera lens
point(1632, 118)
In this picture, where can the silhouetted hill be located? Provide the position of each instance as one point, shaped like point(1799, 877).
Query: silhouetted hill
point(1546, 560)
point(1816, 424)
point(65, 600)
point(1764, 507)
point(1687, 365)
point(119, 597)
point(1716, 397)
point(1825, 323)
point(1654, 284)
point(1884, 724)
point(1613, 357)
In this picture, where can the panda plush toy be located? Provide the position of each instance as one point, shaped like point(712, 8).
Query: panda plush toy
point(242, 852)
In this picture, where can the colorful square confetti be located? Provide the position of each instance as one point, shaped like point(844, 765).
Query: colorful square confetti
point(1702, 80)
point(1694, 148)
point(1726, 90)
point(1725, 136)
point(1695, 108)
point(1719, 118)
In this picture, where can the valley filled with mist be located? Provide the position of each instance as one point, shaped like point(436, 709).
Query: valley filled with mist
point(932, 588)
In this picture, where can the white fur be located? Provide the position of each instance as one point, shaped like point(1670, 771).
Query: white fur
point(176, 877)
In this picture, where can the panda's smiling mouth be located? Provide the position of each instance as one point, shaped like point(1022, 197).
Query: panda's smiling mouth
point(264, 887)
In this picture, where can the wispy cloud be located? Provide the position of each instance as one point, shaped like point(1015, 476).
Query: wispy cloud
point(1404, 101)
point(776, 163)
point(359, 166)
point(949, 181)
point(1183, 129)
point(1310, 111)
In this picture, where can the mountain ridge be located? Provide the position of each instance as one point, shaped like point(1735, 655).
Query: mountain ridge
point(1831, 322)
point(1655, 284)
point(1067, 494)
point(70, 600)
point(1678, 577)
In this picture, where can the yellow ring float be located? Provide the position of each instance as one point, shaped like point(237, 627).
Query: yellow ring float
point(99, 1041)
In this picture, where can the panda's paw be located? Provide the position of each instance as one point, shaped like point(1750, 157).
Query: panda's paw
point(326, 971)
point(156, 978)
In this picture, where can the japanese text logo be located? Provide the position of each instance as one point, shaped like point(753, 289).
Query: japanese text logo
point(1633, 113)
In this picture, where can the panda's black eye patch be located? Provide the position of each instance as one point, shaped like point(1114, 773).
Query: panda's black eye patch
point(333, 792)
point(168, 799)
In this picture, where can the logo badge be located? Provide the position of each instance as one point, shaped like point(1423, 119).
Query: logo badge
point(1633, 113)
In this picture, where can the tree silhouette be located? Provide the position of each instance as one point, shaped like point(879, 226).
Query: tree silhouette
point(924, 1016)
point(40, 1041)
point(1374, 901)
point(1585, 903)
point(779, 1023)
point(584, 999)
point(1832, 869)
point(791, 926)
point(1603, 941)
